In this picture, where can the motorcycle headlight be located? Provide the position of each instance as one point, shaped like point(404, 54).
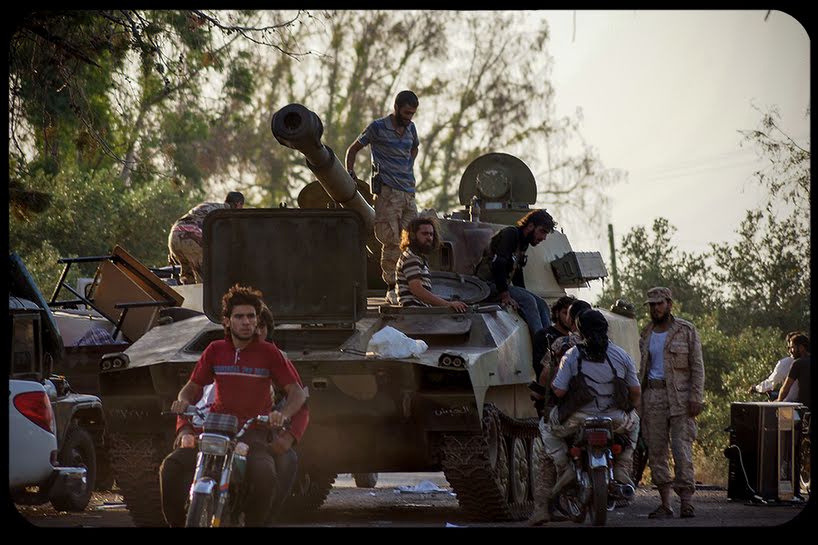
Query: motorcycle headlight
point(210, 443)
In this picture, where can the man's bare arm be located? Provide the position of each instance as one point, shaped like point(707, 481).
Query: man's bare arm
point(352, 151)
point(417, 289)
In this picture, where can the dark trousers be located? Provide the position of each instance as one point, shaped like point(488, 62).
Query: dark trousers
point(286, 468)
point(176, 475)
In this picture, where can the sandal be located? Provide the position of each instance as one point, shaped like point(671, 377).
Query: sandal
point(661, 512)
point(687, 511)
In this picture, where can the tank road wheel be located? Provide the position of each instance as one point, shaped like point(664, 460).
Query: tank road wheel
point(479, 467)
point(136, 458)
point(310, 490)
point(519, 470)
point(535, 469)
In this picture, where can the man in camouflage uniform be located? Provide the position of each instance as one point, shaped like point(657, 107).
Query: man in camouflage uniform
point(672, 379)
point(185, 238)
point(394, 144)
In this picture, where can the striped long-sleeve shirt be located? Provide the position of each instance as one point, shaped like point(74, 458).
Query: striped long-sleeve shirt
point(409, 267)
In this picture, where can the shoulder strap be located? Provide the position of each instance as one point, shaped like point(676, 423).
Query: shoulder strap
point(613, 369)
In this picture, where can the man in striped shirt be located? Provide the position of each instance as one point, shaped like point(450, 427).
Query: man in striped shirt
point(413, 280)
point(394, 145)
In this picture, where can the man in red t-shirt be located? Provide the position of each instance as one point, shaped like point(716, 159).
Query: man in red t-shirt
point(243, 368)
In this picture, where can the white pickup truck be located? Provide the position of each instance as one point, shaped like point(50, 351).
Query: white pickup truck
point(34, 474)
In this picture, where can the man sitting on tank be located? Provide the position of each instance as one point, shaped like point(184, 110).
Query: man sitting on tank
point(243, 368)
point(597, 361)
point(413, 281)
point(502, 268)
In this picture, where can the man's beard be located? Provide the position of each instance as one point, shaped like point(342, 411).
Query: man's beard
point(418, 248)
point(661, 319)
point(529, 239)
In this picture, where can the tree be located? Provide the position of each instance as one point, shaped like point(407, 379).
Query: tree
point(765, 276)
point(654, 261)
point(483, 84)
point(179, 102)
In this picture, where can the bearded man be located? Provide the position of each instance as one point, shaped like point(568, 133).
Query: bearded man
point(672, 380)
point(413, 286)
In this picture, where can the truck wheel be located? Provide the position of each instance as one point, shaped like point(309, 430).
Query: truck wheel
point(77, 451)
point(365, 480)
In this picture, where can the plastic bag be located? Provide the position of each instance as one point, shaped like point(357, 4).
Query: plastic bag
point(391, 343)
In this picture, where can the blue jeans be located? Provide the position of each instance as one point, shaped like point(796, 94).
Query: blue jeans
point(534, 309)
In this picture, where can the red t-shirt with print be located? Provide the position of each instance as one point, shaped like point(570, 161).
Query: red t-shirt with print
point(243, 378)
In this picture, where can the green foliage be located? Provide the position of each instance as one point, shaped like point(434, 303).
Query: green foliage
point(651, 259)
point(732, 365)
point(90, 213)
point(767, 273)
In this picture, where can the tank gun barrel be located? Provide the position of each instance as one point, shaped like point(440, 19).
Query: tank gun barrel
point(296, 127)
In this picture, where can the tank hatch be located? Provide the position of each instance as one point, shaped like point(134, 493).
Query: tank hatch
point(310, 264)
point(466, 288)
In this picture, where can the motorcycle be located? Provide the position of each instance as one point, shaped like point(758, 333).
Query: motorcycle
point(216, 491)
point(589, 485)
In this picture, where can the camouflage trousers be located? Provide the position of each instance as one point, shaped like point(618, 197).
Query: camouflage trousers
point(186, 250)
point(660, 429)
point(555, 451)
point(394, 209)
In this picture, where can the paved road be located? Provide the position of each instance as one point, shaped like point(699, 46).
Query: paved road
point(385, 506)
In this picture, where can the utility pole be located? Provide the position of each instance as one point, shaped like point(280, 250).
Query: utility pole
point(614, 273)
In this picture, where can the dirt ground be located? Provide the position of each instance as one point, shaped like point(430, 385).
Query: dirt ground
point(386, 506)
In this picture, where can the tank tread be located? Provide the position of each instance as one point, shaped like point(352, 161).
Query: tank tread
point(467, 466)
point(135, 459)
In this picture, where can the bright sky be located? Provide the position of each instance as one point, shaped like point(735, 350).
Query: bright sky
point(663, 95)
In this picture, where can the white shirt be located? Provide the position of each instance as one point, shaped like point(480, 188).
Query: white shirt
point(777, 378)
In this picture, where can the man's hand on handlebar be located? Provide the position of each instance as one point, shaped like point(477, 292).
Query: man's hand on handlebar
point(278, 420)
point(179, 406)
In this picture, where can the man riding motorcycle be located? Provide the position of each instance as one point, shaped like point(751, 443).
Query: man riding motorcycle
point(592, 392)
point(243, 368)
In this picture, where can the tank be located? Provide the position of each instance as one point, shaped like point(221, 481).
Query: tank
point(461, 407)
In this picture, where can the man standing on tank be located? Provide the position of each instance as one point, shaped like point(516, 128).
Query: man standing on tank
point(672, 379)
point(394, 144)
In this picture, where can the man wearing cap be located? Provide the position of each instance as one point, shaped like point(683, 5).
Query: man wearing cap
point(185, 238)
point(672, 378)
